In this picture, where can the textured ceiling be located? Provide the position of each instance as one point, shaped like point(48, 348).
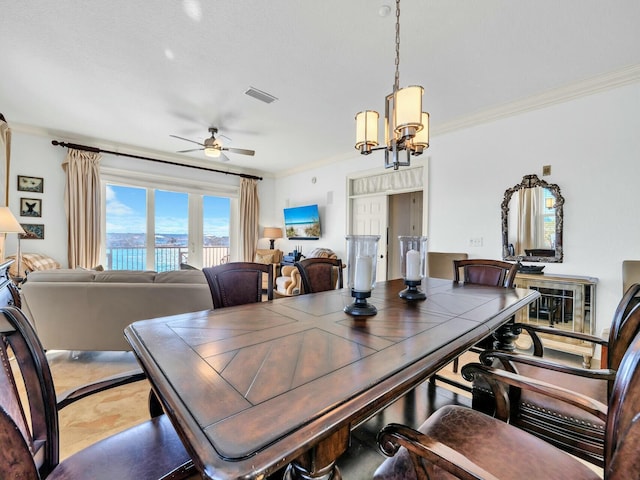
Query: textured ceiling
point(127, 74)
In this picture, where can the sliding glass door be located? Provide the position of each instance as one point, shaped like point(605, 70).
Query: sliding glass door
point(154, 229)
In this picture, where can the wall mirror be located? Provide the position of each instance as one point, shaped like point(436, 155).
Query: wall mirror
point(532, 221)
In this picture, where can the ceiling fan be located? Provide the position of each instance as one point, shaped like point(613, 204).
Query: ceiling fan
point(212, 146)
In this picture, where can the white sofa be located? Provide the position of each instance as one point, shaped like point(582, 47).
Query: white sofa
point(89, 310)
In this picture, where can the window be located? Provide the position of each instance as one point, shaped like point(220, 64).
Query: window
point(156, 229)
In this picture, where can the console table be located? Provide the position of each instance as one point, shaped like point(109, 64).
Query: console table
point(566, 302)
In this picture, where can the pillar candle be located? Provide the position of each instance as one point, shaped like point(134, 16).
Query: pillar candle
point(362, 280)
point(413, 265)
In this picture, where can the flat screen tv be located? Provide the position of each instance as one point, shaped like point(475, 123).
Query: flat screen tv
point(302, 223)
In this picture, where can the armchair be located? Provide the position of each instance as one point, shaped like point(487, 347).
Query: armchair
point(29, 435)
point(290, 282)
point(271, 257)
point(581, 433)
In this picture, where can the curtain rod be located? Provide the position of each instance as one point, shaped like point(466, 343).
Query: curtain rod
point(99, 150)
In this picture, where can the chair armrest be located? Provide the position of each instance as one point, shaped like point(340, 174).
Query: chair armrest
point(286, 270)
point(487, 357)
point(71, 396)
point(538, 348)
point(394, 436)
point(497, 378)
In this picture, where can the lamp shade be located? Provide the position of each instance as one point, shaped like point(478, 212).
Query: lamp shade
point(366, 130)
point(272, 232)
point(421, 140)
point(8, 223)
point(408, 110)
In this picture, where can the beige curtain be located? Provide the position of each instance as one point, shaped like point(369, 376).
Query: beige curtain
point(249, 213)
point(527, 215)
point(83, 208)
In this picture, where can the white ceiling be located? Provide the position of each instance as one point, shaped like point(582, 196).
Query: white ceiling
point(127, 74)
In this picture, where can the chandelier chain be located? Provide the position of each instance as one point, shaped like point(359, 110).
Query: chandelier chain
point(396, 81)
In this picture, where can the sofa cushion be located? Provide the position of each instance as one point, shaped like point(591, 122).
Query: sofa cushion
point(124, 276)
point(265, 258)
point(63, 275)
point(181, 276)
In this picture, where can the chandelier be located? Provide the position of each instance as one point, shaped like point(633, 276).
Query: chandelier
point(406, 125)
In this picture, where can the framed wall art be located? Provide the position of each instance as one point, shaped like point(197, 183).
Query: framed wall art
point(30, 184)
point(30, 207)
point(32, 231)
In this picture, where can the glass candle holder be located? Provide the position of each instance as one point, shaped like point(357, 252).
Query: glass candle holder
point(362, 258)
point(413, 253)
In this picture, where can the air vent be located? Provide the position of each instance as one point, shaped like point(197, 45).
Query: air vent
point(260, 95)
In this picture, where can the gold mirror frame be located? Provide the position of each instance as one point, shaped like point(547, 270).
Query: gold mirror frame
point(532, 181)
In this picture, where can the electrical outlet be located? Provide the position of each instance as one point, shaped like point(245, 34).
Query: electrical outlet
point(546, 170)
point(475, 242)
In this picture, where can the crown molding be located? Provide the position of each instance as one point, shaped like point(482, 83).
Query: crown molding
point(590, 86)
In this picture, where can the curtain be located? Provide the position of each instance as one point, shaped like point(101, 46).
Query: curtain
point(249, 212)
point(527, 215)
point(83, 208)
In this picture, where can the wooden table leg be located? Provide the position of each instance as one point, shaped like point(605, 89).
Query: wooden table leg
point(506, 336)
point(319, 463)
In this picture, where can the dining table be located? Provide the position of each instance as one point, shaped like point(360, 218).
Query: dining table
point(252, 389)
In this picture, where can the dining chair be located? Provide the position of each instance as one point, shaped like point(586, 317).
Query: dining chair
point(480, 271)
point(459, 442)
point(238, 283)
point(320, 274)
point(579, 432)
point(29, 433)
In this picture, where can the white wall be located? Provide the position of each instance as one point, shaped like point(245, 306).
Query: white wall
point(593, 147)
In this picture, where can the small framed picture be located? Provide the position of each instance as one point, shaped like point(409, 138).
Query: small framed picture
point(30, 207)
point(30, 184)
point(32, 231)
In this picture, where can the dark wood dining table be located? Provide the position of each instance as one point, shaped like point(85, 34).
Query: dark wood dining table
point(256, 387)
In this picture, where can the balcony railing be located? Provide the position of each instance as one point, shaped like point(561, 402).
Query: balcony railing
point(166, 257)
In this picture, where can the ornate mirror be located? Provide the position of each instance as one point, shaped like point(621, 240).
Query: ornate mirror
point(532, 221)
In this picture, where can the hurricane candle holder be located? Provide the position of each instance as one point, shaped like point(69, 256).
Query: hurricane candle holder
point(413, 252)
point(362, 256)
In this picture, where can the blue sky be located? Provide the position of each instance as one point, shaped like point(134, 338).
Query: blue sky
point(126, 212)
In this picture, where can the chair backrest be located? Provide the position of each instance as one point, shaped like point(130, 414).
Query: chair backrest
point(486, 272)
point(28, 428)
point(238, 283)
point(624, 326)
point(622, 434)
point(440, 263)
point(320, 274)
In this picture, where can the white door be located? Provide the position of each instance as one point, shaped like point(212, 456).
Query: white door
point(369, 217)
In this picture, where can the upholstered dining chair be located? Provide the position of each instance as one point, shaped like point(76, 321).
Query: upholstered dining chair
point(320, 274)
point(238, 283)
point(29, 435)
point(459, 442)
point(480, 271)
point(579, 432)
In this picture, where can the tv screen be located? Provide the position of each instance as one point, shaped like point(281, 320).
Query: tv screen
point(302, 223)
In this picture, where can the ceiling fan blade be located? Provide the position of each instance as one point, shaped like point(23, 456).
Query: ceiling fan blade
point(190, 150)
point(241, 151)
point(187, 140)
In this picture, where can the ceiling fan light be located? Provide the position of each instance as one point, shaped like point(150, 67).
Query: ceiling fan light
point(212, 152)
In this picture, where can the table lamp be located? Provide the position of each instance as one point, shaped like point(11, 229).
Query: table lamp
point(362, 258)
point(413, 253)
point(9, 224)
point(272, 233)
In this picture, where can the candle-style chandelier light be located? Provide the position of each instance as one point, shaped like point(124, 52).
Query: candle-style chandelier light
point(406, 125)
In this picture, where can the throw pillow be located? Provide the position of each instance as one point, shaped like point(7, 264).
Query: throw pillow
point(266, 258)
